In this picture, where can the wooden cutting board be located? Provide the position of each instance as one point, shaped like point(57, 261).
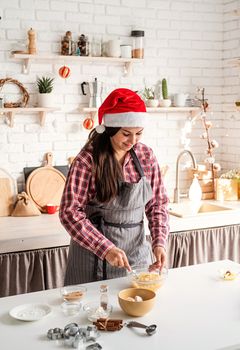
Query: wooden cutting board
point(8, 193)
point(45, 185)
point(6, 200)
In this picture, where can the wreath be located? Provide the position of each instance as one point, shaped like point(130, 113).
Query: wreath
point(25, 94)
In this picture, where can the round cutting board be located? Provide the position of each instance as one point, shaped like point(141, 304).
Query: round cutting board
point(45, 185)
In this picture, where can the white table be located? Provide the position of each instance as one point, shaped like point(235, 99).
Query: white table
point(195, 310)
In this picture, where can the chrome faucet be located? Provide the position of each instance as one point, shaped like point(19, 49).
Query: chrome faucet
point(177, 195)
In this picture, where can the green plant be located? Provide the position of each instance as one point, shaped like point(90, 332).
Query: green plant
point(45, 85)
point(164, 89)
point(148, 93)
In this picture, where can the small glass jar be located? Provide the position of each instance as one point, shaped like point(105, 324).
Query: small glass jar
point(83, 45)
point(68, 46)
point(137, 43)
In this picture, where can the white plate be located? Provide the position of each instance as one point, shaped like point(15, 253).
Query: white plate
point(30, 312)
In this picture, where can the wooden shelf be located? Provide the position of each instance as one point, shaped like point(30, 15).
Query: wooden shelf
point(93, 111)
point(28, 59)
point(42, 111)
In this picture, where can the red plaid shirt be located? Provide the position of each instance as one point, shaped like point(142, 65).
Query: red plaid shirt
point(80, 189)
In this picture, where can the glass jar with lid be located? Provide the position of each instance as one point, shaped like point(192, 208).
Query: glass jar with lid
point(137, 43)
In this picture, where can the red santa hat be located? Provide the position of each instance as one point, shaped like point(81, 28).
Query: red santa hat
point(122, 108)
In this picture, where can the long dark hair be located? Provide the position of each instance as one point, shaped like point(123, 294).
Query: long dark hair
point(107, 169)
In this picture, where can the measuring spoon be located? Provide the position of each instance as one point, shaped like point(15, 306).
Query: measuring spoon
point(150, 330)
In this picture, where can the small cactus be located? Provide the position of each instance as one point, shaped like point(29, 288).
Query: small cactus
point(164, 89)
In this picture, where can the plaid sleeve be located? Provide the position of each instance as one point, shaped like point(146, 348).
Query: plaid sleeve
point(72, 208)
point(156, 209)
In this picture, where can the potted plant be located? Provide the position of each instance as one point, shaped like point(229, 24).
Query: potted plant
point(45, 88)
point(165, 101)
point(149, 97)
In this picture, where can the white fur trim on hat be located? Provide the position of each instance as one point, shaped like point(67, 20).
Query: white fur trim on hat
point(127, 119)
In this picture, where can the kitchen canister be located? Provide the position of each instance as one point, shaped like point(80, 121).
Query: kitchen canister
point(138, 43)
point(126, 51)
point(113, 48)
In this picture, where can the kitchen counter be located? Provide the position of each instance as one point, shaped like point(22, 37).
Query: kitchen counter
point(195, 309)
point(25, 233)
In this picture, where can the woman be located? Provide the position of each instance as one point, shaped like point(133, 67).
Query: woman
point(112, 181)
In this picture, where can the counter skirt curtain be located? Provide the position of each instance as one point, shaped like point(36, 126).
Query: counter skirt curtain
point(202, 246)
point(31, 271)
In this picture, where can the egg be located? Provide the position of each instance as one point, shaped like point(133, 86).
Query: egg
point(138, 298)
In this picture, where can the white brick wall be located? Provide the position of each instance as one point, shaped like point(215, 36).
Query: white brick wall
point(184, 42)
point(231, 117)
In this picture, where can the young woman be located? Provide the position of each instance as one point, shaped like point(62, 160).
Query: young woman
point(112, 182)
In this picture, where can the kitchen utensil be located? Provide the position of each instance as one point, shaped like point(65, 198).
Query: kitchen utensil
point(62, 168)
point(70, 309)
point(95, 311)
point(45, 185)
point(95, 90)
point(150, 330)
point(113, 48)
point(8, 193)
point(141, 277)
point(136, 308)
point(73, 293)
point(30, 312)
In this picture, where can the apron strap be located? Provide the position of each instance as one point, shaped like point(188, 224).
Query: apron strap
point(136, 162)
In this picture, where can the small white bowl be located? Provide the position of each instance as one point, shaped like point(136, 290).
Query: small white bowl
point(70, 309)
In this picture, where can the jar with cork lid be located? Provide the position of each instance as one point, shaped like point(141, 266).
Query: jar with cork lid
point(137, 43)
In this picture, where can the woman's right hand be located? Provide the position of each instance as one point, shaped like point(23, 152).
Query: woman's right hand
point(117, 257)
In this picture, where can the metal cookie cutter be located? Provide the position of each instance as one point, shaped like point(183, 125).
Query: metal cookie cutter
point(55, 333)
point(70, 333)
point(90, 333)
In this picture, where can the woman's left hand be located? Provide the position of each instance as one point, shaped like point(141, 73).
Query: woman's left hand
point(160, 255)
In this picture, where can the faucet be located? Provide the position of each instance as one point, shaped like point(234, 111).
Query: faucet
point(177, 195)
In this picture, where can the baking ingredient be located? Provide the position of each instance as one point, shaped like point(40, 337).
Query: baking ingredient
point(147, 280)
point(72, 296)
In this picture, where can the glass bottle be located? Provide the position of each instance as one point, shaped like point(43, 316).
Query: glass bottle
point(137, 43)
point(104, 296)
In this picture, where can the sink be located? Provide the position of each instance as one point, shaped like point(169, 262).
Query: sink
point(188, 209)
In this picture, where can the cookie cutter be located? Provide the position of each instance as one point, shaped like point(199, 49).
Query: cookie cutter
point(55, 333)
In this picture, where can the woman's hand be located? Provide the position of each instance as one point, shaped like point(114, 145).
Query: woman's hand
point(116, 257)
point(160, 255)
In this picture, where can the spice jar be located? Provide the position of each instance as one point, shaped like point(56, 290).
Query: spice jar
point(83, 45)
point(67, 45)
point(138, 44)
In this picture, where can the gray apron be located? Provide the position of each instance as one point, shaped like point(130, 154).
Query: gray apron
point(121, 221)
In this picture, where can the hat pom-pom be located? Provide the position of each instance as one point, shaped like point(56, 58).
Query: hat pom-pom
point(100, 129)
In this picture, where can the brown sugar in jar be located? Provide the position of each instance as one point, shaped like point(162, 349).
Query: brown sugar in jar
point(138, 44)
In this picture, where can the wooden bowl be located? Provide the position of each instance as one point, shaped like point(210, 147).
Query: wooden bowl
point(136, 308)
